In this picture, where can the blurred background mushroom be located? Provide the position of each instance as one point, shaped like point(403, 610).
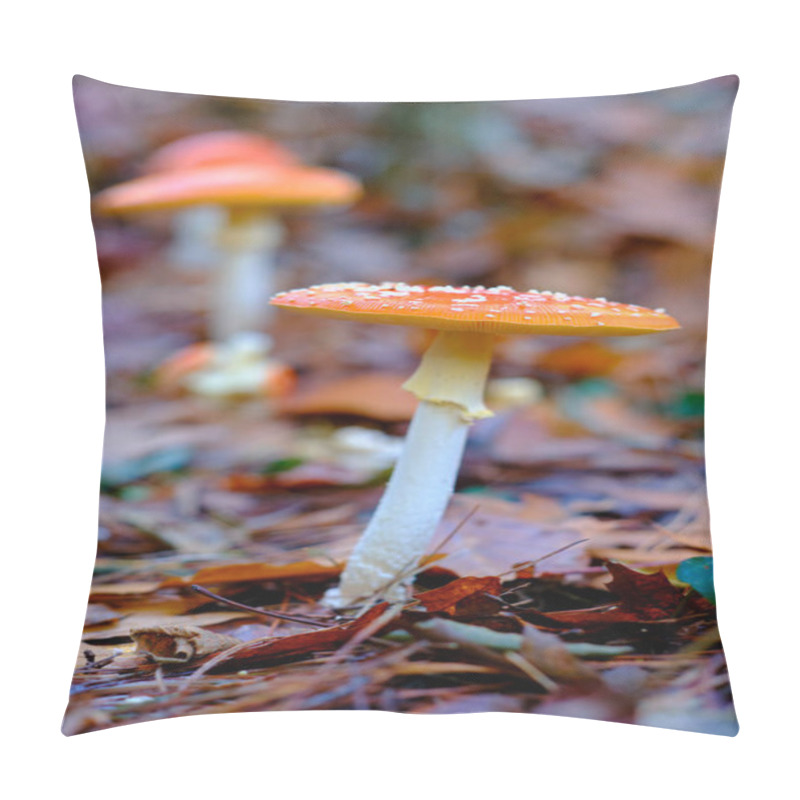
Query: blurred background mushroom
point(253, 180)
point(195, 230)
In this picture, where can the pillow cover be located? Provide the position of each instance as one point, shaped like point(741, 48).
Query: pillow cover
point(273, 273)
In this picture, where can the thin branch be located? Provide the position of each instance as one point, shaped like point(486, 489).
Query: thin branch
point(533, 562)
point(252, 610)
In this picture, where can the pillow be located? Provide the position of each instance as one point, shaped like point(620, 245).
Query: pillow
point(273, 273)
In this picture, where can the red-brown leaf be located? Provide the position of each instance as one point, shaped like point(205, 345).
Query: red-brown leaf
point(643, 599)
point(650, 596)
point(447, 598)
point(261, 652)
point(241, 573)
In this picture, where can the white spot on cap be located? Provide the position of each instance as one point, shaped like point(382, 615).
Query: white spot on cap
point(473, 298)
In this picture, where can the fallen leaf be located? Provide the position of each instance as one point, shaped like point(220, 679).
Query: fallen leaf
point(333, 515)
point(304, 476)
point(580, 359)
point(598, 406)
point(121, 629)
point(645, 599)
point(179, 644)
point(99, 614)
point(375, 395)
point(651, 596)
point(131, 588)
point(261, 652)
point(589, 618)
point(525, 438)
point(501, 533)
point(451, 597)
point(650, 199)
point(248, 572)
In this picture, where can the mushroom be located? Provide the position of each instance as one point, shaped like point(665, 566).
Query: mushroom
point(449, 383)
point(252, 194)
point(237, 369)
point(217, 149)
point(194, 230)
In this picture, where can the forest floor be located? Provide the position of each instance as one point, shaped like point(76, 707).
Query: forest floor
point(571, 575)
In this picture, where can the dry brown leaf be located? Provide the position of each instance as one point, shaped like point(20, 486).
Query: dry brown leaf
point(501, 533)
point(615, 418)
point(580, 359)
point(263, 651)
point(447, 598)
point(375, 395)
point(98, 614)
point(650, 199)
point(128, 589)
point(124, 626)
point(310, 519)
point(243, 573)
point(179, 644)
point(527, 438)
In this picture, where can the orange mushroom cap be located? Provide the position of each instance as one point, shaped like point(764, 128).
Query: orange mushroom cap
point(219, 148)
point(499, 310)
point(237, 185)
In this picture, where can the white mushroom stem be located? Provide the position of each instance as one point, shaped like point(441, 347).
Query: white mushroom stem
point(449, 382)
point(195, 232)
point(244, 280)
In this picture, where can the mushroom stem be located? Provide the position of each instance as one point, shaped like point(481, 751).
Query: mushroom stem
point(244, 279)
point(449, 383)
point(195, 232)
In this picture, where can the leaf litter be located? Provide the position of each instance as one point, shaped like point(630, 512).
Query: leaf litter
point(571, 574)
point(556, 586)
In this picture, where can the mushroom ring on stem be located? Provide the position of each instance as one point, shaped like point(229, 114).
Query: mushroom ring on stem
point(449, 383)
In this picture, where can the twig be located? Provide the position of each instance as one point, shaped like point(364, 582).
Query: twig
point(458, 527)
point(251, 609)
point(533, 562)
